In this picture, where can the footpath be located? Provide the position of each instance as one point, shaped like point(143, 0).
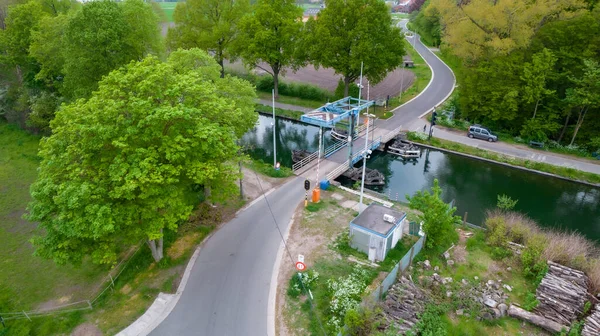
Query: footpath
point(497, 147)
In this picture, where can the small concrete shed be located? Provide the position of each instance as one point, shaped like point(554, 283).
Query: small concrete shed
point(377, 230)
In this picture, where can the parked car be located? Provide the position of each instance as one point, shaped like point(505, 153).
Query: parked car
point(480, 132)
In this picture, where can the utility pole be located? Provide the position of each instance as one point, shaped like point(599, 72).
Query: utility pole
point(351, 130)
point(274, 141)
point(433, 119)
point(365, 155)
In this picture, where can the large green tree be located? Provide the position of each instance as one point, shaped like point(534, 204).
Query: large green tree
point(103, 36)
point(437, 217)
point(534, 78)
point(272, 34)
point(585, 96)
point(120, 166)
point(348, 32)
point(211, 25)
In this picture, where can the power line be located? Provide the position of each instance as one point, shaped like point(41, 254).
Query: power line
point(289, 254)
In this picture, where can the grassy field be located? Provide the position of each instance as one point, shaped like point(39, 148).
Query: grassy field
point(31, 281)
point(168, 8)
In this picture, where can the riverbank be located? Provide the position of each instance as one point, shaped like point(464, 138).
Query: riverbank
point(564, 173)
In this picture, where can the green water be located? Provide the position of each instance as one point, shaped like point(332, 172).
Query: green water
point(474, 185)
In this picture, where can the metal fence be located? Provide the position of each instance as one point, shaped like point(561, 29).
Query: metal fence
point(400, 267)
point(107, 283)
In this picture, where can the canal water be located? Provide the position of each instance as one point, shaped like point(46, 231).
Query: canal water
point(473, 185)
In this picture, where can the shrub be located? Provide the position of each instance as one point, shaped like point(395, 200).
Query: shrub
point(570, 249)
point(534, 265)
point(360, 322)
point(298, 90)
point(506, 203)
point(346, 294)
point(497, 232)
point(302, 281)
point(531, 301)
point(593, 272)
point(339, 90)
point(430, 322)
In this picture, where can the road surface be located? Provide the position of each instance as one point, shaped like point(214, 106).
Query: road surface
point(228, 290)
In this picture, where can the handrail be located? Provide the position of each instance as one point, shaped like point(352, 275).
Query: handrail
point(334, 148)
point(305, 161)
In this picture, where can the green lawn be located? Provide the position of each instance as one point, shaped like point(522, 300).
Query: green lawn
point(29, 280)
point(168, 8)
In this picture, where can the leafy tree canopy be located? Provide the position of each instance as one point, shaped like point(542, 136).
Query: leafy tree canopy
point(211, 25)
point(347, 33)
point(437, 217)
point(103, 36)
point(119, 167)
point(272, 34)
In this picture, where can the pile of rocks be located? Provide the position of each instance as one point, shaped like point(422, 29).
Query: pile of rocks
point(402, 305)
point(489, 298)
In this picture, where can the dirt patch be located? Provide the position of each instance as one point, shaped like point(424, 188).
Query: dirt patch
point(181, 245)
point(327, 79)
point(87, 329)
point(254, 184)
point(21, 225)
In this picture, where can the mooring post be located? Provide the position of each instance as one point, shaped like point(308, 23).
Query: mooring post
point(465, 218)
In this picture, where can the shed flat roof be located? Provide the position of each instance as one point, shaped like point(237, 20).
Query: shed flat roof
point(372, 218)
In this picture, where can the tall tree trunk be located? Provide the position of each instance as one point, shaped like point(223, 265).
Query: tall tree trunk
point(206, 192)
point(156, 247)
point(19, 74)
point(222, 67)
point(579, 123)
point(276, 81)
point(562, 133)
point(346, 85)
point(535, 109)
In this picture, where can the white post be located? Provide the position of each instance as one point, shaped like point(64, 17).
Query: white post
point(319, 155)
point(362, 185)
point(359, 91)
point(402, 80)
point(274, 141)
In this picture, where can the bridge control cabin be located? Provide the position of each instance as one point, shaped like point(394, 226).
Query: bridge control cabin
point(377, 230)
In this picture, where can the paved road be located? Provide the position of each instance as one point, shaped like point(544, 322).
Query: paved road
point(228, 289)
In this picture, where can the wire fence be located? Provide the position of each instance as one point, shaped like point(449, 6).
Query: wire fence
point(107, 283)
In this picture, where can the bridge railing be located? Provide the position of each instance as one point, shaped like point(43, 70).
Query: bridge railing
point(305, 161)
point(391, 134)
point(334, 148)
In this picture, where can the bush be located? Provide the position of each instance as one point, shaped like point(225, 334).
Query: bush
point(569, 249)
point(534, 265)
point(506, 203)
point(360, 322)
point(339, 90)
point(302, 281)
point(298, 90)
point(531, 301)
point(430, 322)
point(497, 234)
point(346, 294)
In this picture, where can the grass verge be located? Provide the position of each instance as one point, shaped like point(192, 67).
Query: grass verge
point(45, 281)
point(422, 77)
point(569, 173)
point(291, 100)
point(30, 282)
point(279, 112)
point(267, 169)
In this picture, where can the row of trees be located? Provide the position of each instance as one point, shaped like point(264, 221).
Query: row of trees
point(58, 50)
point(270, 35)
point(528, 68)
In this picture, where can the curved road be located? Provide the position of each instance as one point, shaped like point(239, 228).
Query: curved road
point(228, 289)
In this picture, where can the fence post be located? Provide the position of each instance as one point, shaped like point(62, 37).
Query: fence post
point(465, 218)
point(112, 281)
point(412, 250)
point(89, 304)
point(26, 316)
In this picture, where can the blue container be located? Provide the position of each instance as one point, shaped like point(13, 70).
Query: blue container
point(324, 185)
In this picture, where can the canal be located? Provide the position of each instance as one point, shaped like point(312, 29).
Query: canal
point(473, 185)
